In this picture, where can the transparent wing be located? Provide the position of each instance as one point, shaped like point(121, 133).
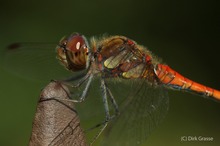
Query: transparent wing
point(140, 112)
point(142, 107)
point(34, 61)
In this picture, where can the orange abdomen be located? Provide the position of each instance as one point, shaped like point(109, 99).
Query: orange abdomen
point(171, 78)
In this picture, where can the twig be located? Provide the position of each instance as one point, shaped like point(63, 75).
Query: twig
point(56, 122)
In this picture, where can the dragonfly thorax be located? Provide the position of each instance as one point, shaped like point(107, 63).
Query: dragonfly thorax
point(73, 52)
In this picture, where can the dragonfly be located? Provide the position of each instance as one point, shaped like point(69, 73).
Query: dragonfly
point(130, 80)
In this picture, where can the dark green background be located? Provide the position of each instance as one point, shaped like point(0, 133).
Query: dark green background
point(186, 34)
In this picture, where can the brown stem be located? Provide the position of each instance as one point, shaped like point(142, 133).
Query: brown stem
point(56, 122)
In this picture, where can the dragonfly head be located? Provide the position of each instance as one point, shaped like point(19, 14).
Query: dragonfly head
point(73, 52)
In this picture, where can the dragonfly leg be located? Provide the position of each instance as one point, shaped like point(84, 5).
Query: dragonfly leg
point(107, 114)
point(112, 99)
point(106, 91)
point(82, 97)
point(85, 91)
point(104, 98)
point(79, 83)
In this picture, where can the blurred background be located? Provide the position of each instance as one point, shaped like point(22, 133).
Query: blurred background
point(185, 34)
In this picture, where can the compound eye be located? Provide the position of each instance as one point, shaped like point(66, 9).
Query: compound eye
point(77, 45)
